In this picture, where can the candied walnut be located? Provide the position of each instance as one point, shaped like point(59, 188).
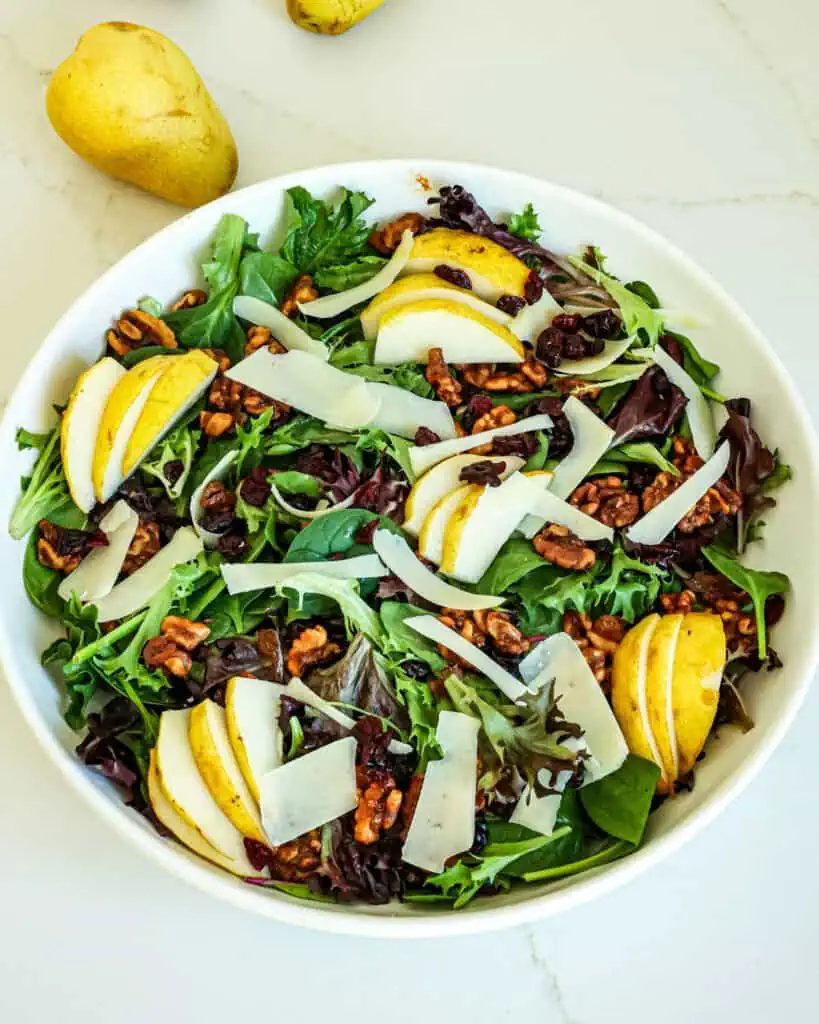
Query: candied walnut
point(606, 633)
point(503, 633)
point(558, 545)
point(527, 378)
point(220, 357)
point(194, 297)
point(147, 541)
point(684, 456)
point(302, 290)
point(576, 385)
point(379, 802)
point(597, 640)
point(534, 371)
point(500, 416)
point(608, 501)
point(477, 374)
point(255, 403)
point(48, 556)
point(225, 395)
point(295, 861)
point(721, 499)
point(464, 623)
point(136, 329)
point(311, 647)
point(663, 485)
point(184, 633)
point(215, 424)
point(682, 603)
point(260, 337)
point(740, 629)
point(387, 240)
point(438, 374)
point(217, 497)
point(61, 548)
point(162, 652)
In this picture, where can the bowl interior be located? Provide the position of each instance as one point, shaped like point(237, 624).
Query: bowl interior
point(168, 263)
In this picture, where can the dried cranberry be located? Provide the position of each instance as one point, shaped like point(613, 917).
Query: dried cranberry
point(568, 322)
point(549, 347)
point(605, 324)
point(255, 489)
point(459, 278)
point(423, 435)
point(594, 346)
point(232, 545)
point(561, 439)
point(574, 347)
point(523, 445)
point(484, 472)
point(551, 406)
point(511, 304)
point(477, 406)
point(217, 520)
point(533, 289)
point(173, 470)
point(415, 668)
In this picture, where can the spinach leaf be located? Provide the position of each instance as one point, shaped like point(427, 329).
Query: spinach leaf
point(757, 584)
point(611, 397)
point(518, 402)
point(611, 850)
point(45, 489)
point(525, 225)
point(323, 235)
point(355, 354)
point(342, 276)
point(565, 850)
point(619, 804)
point(645, 292)
point(403, 641)
point(332, 534)
point(266, 276)
point(40, 582)
point(516, 559)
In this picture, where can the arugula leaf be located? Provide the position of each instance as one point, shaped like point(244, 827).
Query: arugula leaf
point(525, 225)
point(45, 489)
point(266, 276)
point(342, 276)
point(357, 353)
point(630, 587)
point(757, 584)
point(251, 439)
point(619, 803)
point(637, 314)
point(404, 642)
point(179, 446)
point(231, 236)
point(322, 235)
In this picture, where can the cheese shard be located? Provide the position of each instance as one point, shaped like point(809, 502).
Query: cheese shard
point(424, 456)
point(656, 525)
point(255, 311)
point(310, 791)
point(580, 699)
point(401, 412)
point(241, 577)
point(97, 573)
point(433, 629)
point(531, 320)
point(612, 350)
point(309, 385)
point(698, 410)
point(444, 821)
point(548, 508)
point(592, 437)
point(538, 813)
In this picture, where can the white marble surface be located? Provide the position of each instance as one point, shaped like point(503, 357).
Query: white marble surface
point(702, 118)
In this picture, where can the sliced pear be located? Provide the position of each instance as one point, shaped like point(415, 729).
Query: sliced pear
point(407, 333)
point(493, 271)
point(628, 689)
point(433, 530)
point(424, 286)
point(698, 665)
point(122, 410)
point(185, 790)
point(252, 715)
point(659, 683)
point(182, 383)
point(482, 522)
point(218, 766)
point(188, 836)
point(80, 427)
point(439, 481)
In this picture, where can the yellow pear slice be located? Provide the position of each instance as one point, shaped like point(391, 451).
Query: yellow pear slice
point(628, 689)
point(122, 410)
point(186, 792)
point(433, 530)
point(252, 715)
point(424, 286)
point(218, 766)
point(698, 665)
point(177, 826)
point(407, 333)
point(443, 478)
point(659, 683)
point(493, 271)
point(181, 384)
point(80, 426)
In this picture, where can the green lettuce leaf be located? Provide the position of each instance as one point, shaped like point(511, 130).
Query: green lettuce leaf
point(322, 234)
point(637, 314)
point(525, 225)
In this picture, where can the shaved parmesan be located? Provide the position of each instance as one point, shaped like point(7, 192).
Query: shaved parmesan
point(309, 385)
point(241, 577)
point(97, 573)
point(591, 364)
point(444, 820)
point(580, 699)
point(284, 330)
point(539, 813)
point(656, 525)
point(401, 412)
point(397, 555)
point(219, 472)
point(321, 509)
point(424, 456)
point(591, 439)
point(332, 305)
point(306, 793)
point(531, 320)
point(432, 629)
point(143, 585)
point(548, 508)
point(698, 410)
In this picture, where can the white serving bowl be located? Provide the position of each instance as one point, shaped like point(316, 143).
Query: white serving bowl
point(167, 264)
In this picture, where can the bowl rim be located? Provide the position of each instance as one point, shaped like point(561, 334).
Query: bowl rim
point(480, 917)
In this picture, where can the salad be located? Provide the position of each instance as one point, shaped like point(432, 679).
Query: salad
point(401, 561)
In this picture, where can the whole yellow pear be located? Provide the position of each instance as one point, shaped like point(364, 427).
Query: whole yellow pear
point(130, 102)
point(330, 17)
